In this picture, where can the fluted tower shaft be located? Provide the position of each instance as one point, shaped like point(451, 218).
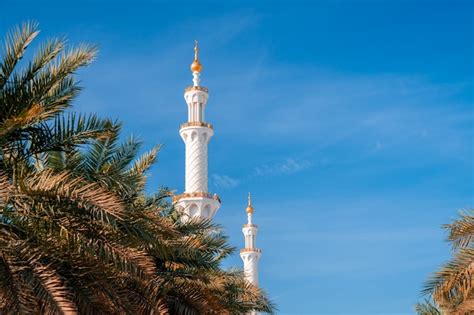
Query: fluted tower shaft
point(196, 134)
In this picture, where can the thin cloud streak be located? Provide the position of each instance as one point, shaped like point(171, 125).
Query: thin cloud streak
point(223, 181)
point(287, 167)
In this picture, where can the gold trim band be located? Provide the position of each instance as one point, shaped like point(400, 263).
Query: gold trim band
point(196, 124)
point(250, 225)
point(196, 88)
point(196, 195)
point(246, 250)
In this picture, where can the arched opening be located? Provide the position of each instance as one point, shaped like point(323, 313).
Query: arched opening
point(206, 212)
point(193, 210)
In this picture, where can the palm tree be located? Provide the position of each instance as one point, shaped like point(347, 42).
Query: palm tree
point(451, 287)
point(78, 233)
point(32, 98)
point(32, 121)
point(184, 272)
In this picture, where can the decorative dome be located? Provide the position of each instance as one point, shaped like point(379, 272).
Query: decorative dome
point(196, 66)
point(249, 206)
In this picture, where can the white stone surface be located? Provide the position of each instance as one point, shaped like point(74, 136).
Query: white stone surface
point(250, 260)
point(250, 254)
point(196, 139)
point(196, 78)
point(198, 207)
point(196, 100)
point(196, 134)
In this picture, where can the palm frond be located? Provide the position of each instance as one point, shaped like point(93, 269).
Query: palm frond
point(100, 151)
point(427, 308)
point(454, 280)
point(145, 161)
point(90, 196)
point(46, 53)
point(72, 130)
point(51, 291)
point(15, 45)
point(5, 189)
point(461, 231)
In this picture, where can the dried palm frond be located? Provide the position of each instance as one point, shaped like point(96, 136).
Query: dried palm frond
point(461, 231)
point(452, 287)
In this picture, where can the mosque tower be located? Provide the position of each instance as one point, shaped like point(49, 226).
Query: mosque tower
point(196, 202)
point(250, 254)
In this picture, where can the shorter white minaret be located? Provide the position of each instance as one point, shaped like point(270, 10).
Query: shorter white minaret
point(250, 254)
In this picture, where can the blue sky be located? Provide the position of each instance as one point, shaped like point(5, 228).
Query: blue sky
point(351, 122)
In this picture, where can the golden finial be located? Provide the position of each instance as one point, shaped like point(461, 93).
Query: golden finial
point(249, 206)
point(196, 50)
point(196, 66)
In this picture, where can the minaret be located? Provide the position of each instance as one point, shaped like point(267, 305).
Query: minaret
point(196, 133)
point(250, 254)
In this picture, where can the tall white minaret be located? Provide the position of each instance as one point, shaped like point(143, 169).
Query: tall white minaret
point(250, 254)
point(196, 133)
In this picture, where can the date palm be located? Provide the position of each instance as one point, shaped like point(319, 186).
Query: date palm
point(78, 233)
point(452, 286)
point(32, 121)
point(30, 99)
point(185, 274)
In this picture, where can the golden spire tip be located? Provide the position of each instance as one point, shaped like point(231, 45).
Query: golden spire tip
point(196, 49)
point(249, 206)
point(196, 66)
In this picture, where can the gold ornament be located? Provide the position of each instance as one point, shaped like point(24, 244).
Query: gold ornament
point(196, 66)
point(249, 206)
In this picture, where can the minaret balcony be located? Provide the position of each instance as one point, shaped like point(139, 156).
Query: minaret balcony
point(197, 204)
point(196, 88)
point(177, 198)
point(195, 95)
point(196, 124)
point(250, 250)
point(250, 225)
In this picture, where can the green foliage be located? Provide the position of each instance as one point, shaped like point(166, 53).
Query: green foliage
point(78, 233)
point(29, 98)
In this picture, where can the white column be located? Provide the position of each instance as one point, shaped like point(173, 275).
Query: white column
point(250, 254)
point(196, 140)
point(250, 258)
point(196, 134)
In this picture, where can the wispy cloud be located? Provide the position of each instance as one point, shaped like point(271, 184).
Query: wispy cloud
point(224, 181)
point(287, 167)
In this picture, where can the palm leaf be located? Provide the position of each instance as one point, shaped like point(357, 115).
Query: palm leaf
point(90, 196)
point(461, 231)
point(15, 45)
point(454, 280)
point(427, 308)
